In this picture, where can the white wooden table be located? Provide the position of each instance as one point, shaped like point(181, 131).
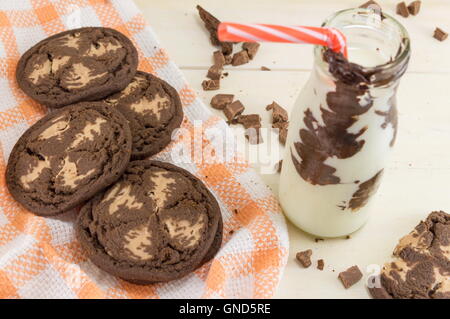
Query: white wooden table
point(418, 178)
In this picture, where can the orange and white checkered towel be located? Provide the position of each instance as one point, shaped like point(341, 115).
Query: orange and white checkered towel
point(41, 258)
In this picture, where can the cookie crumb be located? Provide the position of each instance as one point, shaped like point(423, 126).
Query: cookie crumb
point(350, 276)
point(265, 68)
point(318, 239)
point(304, 258)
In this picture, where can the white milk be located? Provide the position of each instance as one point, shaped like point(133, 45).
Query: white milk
point(338, 203)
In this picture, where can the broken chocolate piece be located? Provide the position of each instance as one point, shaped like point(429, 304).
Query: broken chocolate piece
point(240, 58)
point(279, 114)
point(304, 257)
point(250, 120)
point(375, 7)
point(253, 134)
point(211, 85)
point(283, 131)
point(228, 59)
point(219, 58)
point(283, 135)
point(214, 72)
point(440, 34)
point(414, 7)
point(369, 4)
point(211, 24)
point(350, 277)
point(402, 9)
point(251, 48)
point(320, 264)
point(265, 68)
point(233, 109)
point(220, 101)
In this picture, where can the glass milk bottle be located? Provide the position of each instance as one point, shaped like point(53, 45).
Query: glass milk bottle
point(343, 126)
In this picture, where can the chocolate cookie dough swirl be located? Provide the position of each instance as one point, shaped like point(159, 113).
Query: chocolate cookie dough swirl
point(157, 223)
point(77, 65)
point(68, 156)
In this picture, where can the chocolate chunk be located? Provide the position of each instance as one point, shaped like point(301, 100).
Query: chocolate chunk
point(369, 4)
point(219, 58)
point(304, 257)
point(228, 59)
point(414, 7)
point(402, 9)
point(215, 72)
point(227, 48)
point(283, 131)
point(374, 6)
point(318, 239)
point(211, 85)
point(253, 134)
point(440, 34)
point(220, 101)
point(211, 24)
point(320, 264)
point(279, 114)
point(240, 58)
point(233, 109)
point(250, 120)
point(251, 48)
point(283, 135)
point(279, 166)
point(350, 277)
point(264, 68)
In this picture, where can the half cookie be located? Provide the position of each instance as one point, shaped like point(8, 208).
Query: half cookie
point(153, 109)
point(68, 156)
point(421, 267)
point(156, 224)
point(77, 65)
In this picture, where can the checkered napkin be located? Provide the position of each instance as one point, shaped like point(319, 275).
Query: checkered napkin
point(41, 258)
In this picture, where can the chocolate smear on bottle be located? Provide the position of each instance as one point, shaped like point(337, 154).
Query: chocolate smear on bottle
point(320, 142)
point(390, 117)
point(365, 190)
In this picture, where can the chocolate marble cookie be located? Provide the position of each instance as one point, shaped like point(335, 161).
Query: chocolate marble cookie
point(156, 224)
point(421, 268)
point(77, 65)
point(153, 110)
point(68, 156)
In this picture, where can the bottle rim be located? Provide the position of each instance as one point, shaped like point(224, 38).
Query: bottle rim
point(397, 64)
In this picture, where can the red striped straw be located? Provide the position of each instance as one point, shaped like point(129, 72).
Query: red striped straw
point(239, 32)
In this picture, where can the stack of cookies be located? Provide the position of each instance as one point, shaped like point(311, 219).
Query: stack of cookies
point(142, 220)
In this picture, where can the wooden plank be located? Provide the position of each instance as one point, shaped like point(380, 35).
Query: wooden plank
point(182, 33)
